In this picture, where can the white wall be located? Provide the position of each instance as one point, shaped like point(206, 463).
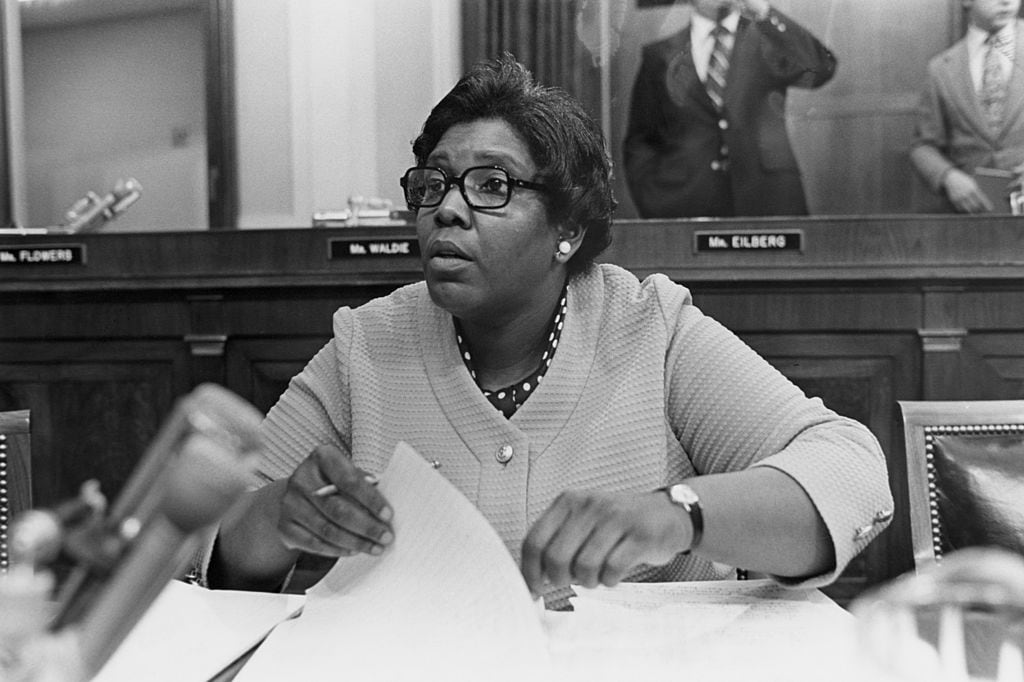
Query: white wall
point(330, 95)
point(116, 99)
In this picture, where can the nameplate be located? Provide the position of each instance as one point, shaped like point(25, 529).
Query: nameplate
point(43, 254)
point(761, 241)
point(372, 248)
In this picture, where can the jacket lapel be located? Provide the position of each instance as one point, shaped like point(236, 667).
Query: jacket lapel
point(962, 92)
point(1015, 86)
point(681, 80)
point(741, 76)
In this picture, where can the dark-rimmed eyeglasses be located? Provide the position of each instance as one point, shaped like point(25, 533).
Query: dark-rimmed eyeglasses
point(483, 187)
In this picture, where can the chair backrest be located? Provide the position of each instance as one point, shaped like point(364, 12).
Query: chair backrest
point(15, 473)
point(965, 475)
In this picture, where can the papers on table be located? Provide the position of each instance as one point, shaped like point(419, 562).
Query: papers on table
point(710, 631)
point(191, 633)
point(445, 601)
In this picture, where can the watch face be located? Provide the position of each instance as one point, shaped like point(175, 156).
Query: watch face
point(683, 494)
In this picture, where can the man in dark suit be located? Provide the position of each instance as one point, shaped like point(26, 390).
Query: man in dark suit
point(964, 121)
point(694, 147)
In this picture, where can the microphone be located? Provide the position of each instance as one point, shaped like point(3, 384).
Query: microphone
point(194, 470)
point(91, 211)
point(37, 535)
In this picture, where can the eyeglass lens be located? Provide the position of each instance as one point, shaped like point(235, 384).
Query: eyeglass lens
point(481, 187)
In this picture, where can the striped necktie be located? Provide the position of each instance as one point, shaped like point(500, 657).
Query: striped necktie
point(993, 82)
point(718, 64)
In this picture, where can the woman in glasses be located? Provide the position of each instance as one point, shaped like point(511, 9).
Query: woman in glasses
point(605, 427)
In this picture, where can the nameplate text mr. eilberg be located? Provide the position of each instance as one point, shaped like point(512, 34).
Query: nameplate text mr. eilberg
point(718, 242)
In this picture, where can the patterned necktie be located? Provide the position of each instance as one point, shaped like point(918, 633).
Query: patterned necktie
point(993, 84)
point(718, 64)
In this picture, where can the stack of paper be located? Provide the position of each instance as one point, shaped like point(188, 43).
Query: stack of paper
point(447, 602)
point(190, 633)
point(728, 630)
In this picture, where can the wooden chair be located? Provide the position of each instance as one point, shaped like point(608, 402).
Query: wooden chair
point(965, 472)
point(15, 473)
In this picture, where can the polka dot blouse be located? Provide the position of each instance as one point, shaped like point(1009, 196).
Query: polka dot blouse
point(510, 398)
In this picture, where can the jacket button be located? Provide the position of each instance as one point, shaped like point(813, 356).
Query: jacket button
point(504, 454)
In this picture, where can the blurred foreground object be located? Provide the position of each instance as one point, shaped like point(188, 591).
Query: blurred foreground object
point(364, 212)
point(193, 471)
point(960, 620)
point(92, 211)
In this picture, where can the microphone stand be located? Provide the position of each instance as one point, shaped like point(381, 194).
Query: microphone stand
point(92, 211)
point(192, 473)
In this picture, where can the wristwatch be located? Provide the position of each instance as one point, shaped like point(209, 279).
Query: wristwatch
point(684, 496)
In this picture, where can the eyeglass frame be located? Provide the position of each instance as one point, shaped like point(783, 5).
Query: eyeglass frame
point(460, 182)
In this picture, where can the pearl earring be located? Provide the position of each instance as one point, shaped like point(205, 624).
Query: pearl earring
point(564, 247)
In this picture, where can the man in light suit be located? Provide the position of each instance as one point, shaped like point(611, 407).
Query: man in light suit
point(956, 133)
point(684, 154)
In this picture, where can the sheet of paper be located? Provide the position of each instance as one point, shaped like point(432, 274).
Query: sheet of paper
point(703, 630)
point(648, 596)
point(445, 601)
point(191, 633)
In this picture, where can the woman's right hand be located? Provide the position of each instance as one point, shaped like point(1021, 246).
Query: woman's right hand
point(355, 518)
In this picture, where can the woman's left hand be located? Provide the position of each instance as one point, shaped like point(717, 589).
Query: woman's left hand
point(591, 538)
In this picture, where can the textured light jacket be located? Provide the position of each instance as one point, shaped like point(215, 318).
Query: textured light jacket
point(644, 391)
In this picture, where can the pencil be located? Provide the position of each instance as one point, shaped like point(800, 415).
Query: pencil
point(326, 490)
point(331, 489)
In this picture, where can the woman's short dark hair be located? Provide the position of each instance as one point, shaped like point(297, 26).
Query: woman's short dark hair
point(564, 140)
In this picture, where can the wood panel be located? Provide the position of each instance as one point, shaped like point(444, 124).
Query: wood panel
point(259, 369)
point(991, 308)
point(992, 366)
point(821, 308)
point(95, 406)
point(868, 312)
point(857, 376)
point(860, 377)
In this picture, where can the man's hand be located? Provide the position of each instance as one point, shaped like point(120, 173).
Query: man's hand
point(1017, 184)
point(591, 538)
point(964, 192)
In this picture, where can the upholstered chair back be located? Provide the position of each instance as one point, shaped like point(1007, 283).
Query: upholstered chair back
point(965, 472)
point(15, 474)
